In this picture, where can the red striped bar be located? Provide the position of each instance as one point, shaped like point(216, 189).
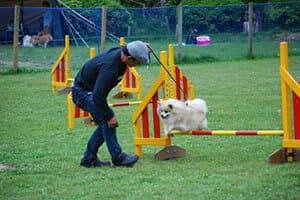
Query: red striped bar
point(119, 104)
point(125, 103)
point(245, 132)
point(231, 132)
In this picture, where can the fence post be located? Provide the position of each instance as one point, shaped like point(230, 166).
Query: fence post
point(16, 38)
point(250, 31)
point(179, 18)
point(103, 28)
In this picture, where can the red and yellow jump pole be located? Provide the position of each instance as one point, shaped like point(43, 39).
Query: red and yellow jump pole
point(230, 132)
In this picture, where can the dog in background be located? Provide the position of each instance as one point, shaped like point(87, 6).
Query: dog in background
point(184, 116)
point(27, 41)
point(41, 39)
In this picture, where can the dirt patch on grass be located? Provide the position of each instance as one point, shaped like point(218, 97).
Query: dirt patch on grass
point(7, 167)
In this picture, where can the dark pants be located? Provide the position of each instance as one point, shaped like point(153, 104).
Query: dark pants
point(103, 133)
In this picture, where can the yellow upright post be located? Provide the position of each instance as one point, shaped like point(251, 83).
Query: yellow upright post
point(92, 52)
point(285, 97)
point(70, 111)
point(172, 71)
point(67, 57)
point(122, 41)
point(164, 73)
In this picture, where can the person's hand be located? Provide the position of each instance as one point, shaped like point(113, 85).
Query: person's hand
point(113, 122)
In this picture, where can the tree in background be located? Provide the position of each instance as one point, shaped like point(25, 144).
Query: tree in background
point(158, 3)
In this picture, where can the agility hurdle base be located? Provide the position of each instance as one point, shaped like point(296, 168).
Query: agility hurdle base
point(289, 87)
point(60, 73)
point(140, 118)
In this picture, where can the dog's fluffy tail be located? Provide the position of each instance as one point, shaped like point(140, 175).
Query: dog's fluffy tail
point(198, 104)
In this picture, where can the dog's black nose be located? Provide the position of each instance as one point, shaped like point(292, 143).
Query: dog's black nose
point(164, 116)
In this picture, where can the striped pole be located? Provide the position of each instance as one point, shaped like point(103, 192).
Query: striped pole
point(130, 103)
point(230, 132)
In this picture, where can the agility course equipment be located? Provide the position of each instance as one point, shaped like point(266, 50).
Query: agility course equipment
point(130, 83)
point(142, 127)
point(289, 87)
point(60, 72)
point(163, 86)
point(75, 112)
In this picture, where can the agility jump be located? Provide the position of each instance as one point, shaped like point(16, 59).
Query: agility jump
point(142, 127)
point(127, 85)
point(131, 82)
point(60, 74)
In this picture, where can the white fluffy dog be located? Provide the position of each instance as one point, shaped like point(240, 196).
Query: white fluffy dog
point(184, 116)
point(27, 41)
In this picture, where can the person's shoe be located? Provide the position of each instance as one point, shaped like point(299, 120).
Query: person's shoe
point(94, 163)
point(126, 160)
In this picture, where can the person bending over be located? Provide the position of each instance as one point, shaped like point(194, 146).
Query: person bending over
point(92, 84)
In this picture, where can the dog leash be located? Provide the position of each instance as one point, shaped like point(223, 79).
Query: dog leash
point(165, 68)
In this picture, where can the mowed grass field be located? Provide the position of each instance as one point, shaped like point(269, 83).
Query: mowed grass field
point(43, 154)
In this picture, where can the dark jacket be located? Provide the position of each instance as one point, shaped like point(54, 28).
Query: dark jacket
point(99, 75)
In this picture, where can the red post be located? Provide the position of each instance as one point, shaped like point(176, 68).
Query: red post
point(296, 109)
point(77, 112)
point(145, 123)
point(57, 74)
point(156, 123)
point(63, 70)
point(185, 88)
point(133, 84)
point(85, 113)
point(177, 78)
point(127, 78)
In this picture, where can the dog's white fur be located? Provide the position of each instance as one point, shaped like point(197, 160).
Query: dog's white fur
point(26, 41)
point(184, 116)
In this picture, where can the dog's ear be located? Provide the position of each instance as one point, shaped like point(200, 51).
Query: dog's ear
point(170, 106)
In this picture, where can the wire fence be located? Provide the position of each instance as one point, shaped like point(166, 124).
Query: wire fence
point(209, 33)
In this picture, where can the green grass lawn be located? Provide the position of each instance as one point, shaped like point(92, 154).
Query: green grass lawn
point(35, 140)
